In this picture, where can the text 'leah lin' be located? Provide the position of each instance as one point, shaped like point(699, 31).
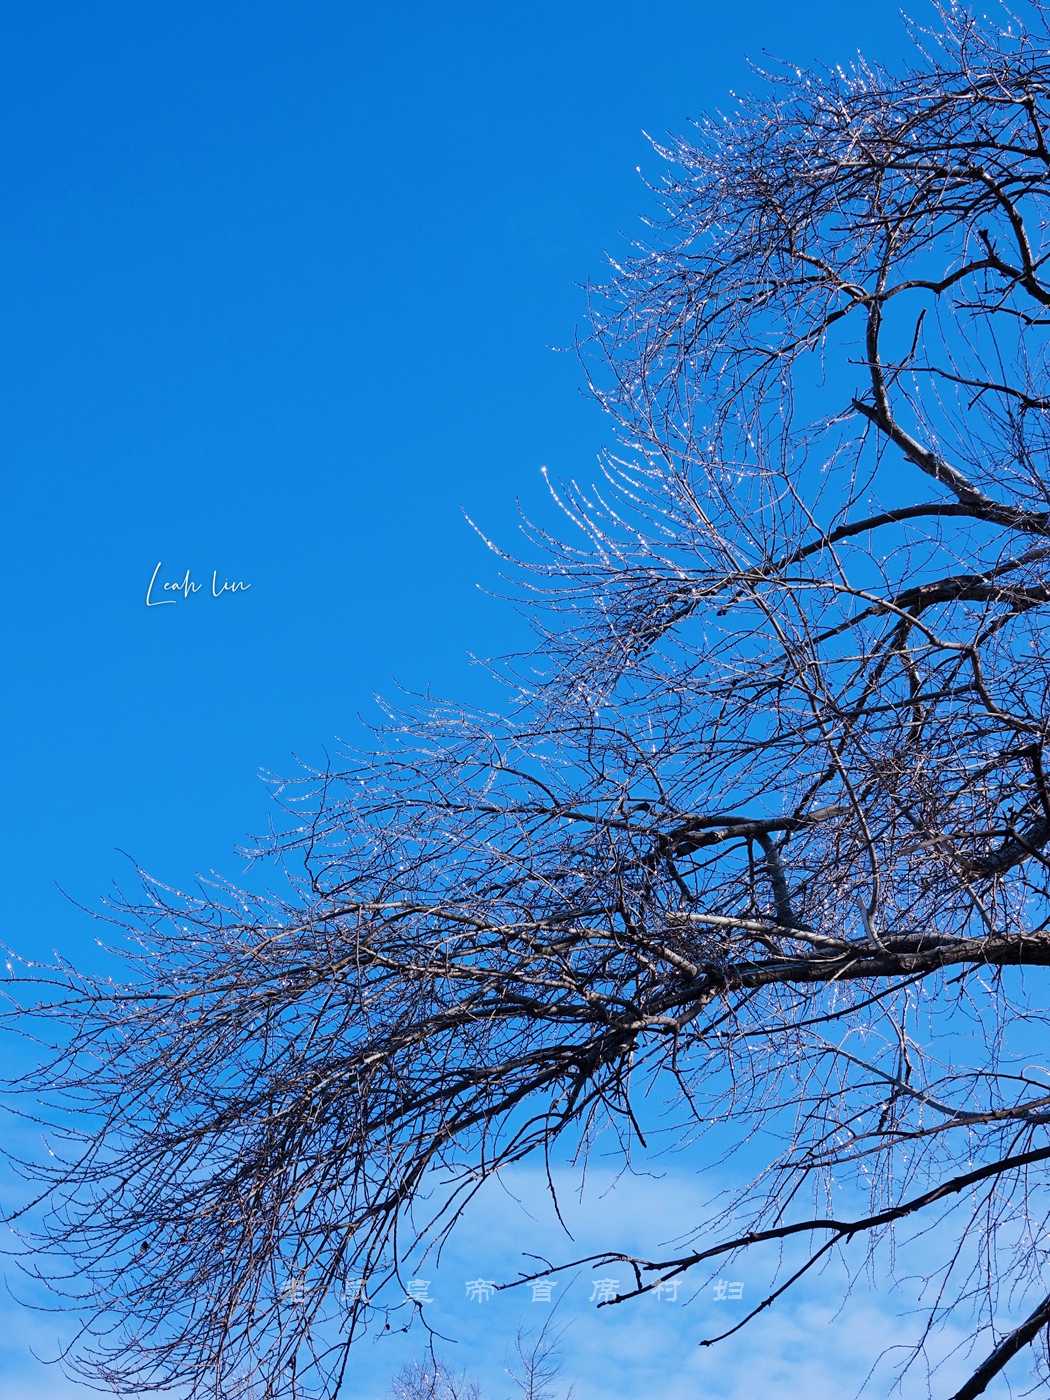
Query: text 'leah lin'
point(187, 588)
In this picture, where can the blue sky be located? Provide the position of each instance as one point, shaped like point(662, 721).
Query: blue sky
point(277, 289)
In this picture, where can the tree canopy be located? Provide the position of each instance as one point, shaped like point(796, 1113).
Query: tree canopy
point(761, 833)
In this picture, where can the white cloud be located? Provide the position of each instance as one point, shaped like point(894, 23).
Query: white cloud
point(809, 1344)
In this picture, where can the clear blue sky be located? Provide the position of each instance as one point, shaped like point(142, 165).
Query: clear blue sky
point(277, 287)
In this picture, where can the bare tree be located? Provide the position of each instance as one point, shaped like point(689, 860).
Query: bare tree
point(433, 1380)
point(534, 1369)
point(763, 834)
point(537, 1364)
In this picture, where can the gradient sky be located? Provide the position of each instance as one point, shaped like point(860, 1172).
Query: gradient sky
point(278, 287)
